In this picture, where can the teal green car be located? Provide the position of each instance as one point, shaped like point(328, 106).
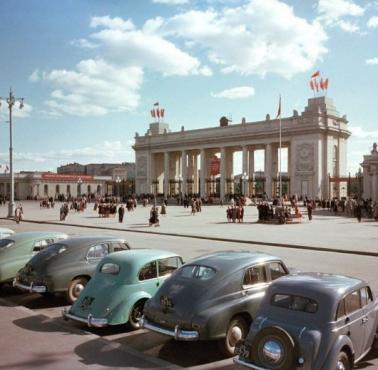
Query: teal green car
point(123, 282)
point(19, 248)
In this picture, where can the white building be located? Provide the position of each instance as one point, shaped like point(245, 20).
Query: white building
point(179, 162)
point(370, 174)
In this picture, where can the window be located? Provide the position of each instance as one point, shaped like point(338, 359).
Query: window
point(168, 265)
point(366, 296)
point(110, 268)
point(295, 303)
point(98, 251)
point(6, 243)
point(148, 271)
point(68, 189)
point(276, 270)
point(254, 275)
point(46, 189)
point(57, 189)
point(352, 302)
point(197, 272)
point(88, 189)
point(340, 309)
point(41, 245)
point(120, 247)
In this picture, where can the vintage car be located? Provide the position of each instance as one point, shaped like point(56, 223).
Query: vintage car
point(311, 321)
point(122, 284)
point(67, 266)
point(17, 249)
point(213, 297)
point(5, 232)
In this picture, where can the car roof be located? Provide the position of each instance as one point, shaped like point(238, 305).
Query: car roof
point(34, 234)
point(137, 256)
point(85, 240)
point(317, 285)
point(232, 260)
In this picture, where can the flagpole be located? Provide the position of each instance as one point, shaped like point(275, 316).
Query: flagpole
point(280, 177)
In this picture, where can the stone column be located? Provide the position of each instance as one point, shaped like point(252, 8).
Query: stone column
point(222, 181)
point(184, 172)
point(374, 184)
point(245, 170)
point(268, 170)
point(203, 173)
point(366, 185)
point(251, 171)
point(148, 173)
point(166, 174)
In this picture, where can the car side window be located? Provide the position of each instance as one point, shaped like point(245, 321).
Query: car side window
point(98, 251)
point(119, 246)
point(168, 265)
point(148, 271)
point(254, 275)
point(40, 245)
point(352, 302)
point(340, 309)
point(276, 270)
point(366, 296)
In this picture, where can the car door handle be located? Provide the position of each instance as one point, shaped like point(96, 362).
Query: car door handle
point(365, 320)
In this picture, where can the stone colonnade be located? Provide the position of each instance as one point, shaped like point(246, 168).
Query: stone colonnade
point(175, 172)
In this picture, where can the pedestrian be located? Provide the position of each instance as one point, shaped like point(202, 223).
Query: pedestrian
point(163, 210)
point(309, 211)
point(18, 213)
point(359, 212)
point(121, 213)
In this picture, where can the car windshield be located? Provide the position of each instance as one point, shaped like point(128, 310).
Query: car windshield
point(6, 243)
point(196, 272)
point(295, 303)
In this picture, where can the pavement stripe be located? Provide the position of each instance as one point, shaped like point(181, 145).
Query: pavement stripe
point(213, 238)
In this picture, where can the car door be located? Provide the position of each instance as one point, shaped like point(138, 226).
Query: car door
point(369, 318)
point(355, 322)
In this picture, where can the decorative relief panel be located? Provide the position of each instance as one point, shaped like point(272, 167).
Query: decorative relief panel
point(142, 166)
point(305, 157)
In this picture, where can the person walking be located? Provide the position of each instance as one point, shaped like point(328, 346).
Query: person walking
point(309, 211)
point(18, 213)
point(121, 213)
point(359, 212)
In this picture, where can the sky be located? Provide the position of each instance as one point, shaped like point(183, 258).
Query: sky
point(90, 70)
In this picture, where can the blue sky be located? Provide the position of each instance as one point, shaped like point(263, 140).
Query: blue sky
point(90, 70)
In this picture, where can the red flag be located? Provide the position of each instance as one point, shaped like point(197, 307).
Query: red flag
point(312, 87)
point(161, 113)
point(321, 84)
point(279, 109)
point(158, 113)
point(326, 84)
point(152, 113)
point(315, 74)
point(316, 85)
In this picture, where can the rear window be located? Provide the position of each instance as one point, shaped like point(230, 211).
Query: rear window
point(197, 272)
point(55, 249)
point(295, 303)
point(6, 243)
point(110, 268)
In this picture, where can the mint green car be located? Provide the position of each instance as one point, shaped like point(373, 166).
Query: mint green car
point(123, 282)
point(17, 249)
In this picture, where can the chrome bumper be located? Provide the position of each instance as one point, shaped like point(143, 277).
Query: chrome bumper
point(31, 288)
point(239, 361)
point(90, 320)
point(177, 333)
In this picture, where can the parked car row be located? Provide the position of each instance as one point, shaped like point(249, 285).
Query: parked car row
point(248, 301)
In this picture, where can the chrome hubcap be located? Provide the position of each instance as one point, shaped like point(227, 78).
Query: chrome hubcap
point(235, 335)
point(272, 351)
point(78, 289)
point(340, 365)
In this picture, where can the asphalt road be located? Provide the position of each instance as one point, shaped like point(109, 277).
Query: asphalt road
point(141, 344)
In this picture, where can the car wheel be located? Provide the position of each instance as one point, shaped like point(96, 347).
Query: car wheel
point(136, 315)
point(273, 348)
point(343, 362)
point(75, 288)
point(237, 329)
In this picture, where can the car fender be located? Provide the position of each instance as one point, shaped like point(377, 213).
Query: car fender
point(121, 313)
point(331, 359)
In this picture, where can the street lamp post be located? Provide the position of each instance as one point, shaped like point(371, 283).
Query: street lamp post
point(11, 100)
point(79, 182)
point(244, 179)
point(118, 180)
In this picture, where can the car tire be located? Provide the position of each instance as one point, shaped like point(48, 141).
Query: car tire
point(343, 362)
point(237, 329)
point(75, 288)
point(281, 342)
point(136, 314)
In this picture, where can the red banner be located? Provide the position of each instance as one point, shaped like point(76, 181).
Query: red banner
point(62, 177)
point(214, 166)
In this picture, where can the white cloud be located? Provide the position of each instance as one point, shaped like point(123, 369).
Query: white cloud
point(332, 12)
point(241, 92)
point(171, 2)
point(122, 43)
point(34, 77)
point(94, 88)
point(253, 38)
point(373, 22)
point(360, 133)
point(372, 61)
point(16, 111)
point(83, 44)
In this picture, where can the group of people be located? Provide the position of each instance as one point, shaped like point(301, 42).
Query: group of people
point(235, 213)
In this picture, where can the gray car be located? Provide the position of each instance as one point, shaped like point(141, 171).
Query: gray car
point(311, 321)
point(213, 297)
point(67, 266)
